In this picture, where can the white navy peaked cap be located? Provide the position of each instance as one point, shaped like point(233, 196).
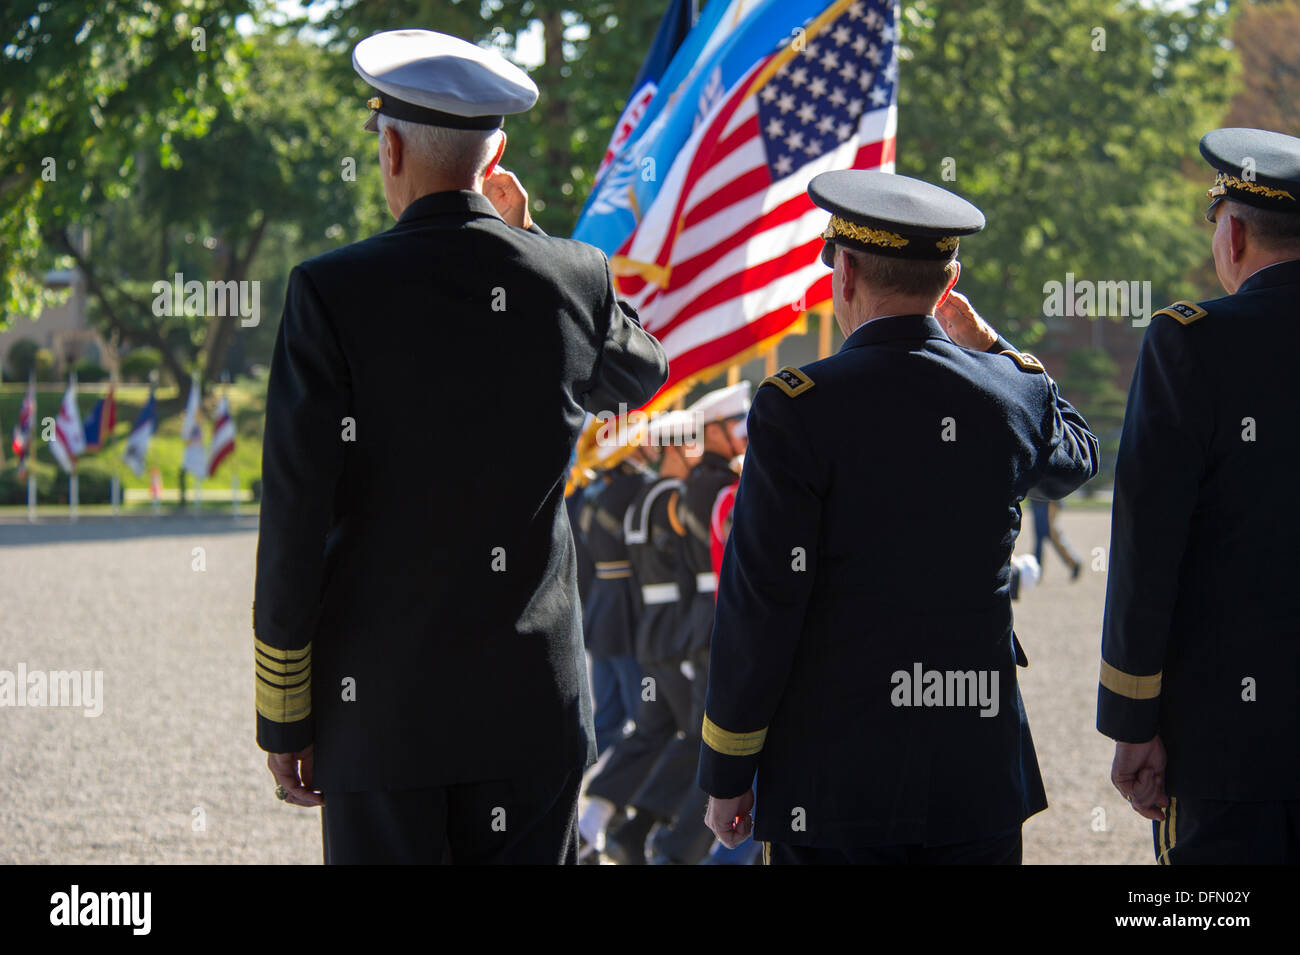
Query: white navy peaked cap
point(729, 402)
point(440, 80)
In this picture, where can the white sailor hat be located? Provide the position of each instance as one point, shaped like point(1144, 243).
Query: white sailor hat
point(671, 427)
point(729, 402)
point(440, 80)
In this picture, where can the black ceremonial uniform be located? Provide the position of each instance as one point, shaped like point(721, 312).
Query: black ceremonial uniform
point(1201, 641)
point(819, 613)
point(710, 476)
point(418, 623)
point(650, 769)
point(611, 608)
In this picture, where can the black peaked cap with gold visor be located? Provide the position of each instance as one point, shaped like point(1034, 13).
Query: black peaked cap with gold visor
point(888, 214)
point(1255, 166)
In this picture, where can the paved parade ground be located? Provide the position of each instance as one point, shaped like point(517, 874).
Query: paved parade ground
point(169, 771)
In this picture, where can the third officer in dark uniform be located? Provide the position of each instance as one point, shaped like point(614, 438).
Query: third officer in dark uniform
point(1200, 672)
point(879, 708)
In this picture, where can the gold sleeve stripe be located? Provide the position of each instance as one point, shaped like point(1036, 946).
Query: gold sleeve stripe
point(284, 706)
point(284, 656)
point(732, 744)
point(672, 515)
point(1126, 684)
point(278, 671)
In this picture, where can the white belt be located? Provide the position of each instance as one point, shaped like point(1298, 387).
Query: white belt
point(660, 594)
point(706, 583)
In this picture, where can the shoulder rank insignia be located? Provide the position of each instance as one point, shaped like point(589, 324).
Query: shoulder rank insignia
point(1184, 312)
point(790, 380)
point(1026, 361)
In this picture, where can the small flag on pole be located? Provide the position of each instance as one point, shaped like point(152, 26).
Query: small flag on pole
point(137, 442)
point(22, 442)
point(101, 421)
point(223, 437)
point(195, 459)
point(69, 435)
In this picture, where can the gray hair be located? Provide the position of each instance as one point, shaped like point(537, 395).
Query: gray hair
point(1272, 229)
point(458, 153)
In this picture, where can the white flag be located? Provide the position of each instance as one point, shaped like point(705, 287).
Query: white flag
point(194, 459)
point(69, 434)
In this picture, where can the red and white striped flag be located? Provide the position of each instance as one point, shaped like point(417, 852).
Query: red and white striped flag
point(223, 437)
point(727, 256)
point(69, 434)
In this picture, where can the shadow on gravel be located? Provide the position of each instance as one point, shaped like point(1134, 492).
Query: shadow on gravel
point(19, 533)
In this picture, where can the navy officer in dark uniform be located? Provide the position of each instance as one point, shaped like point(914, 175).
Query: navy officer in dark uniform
point(879, 708)
point(418, 643)
point(1200, 672)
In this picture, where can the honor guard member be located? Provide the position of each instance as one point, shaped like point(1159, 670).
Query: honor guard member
point(879, 708)
point(1200, 671)
point(718, 418)
point(419, 658)
point(611, 608)
point(652, 769)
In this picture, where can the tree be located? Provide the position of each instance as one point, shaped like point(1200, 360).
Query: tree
point(1069, 123)
point(88, 89)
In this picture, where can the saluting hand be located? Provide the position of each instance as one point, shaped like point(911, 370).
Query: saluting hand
point(963, 324)
point(1139, 774)
point(731, 819)
point(293, 771)
point(504, 190)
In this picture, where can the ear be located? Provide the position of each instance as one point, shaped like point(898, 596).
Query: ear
point(1236, 239)
point(496, 158)
point(391, 146)
point(849, 276)
point(951, 284)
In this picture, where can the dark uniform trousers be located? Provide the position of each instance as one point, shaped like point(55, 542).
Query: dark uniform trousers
point(651, 768)
point(1222, 832)
point(1003, 849)
point(532, 820)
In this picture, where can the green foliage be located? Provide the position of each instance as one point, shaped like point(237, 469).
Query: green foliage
point(21, 358)
point(1089, 381)
point(1076, 155)
point(89, 372)
point(139, 363)
point(44, 364)
point(88, 89)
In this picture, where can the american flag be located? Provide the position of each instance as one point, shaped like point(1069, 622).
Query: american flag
point(223, 437)
point(727, 257)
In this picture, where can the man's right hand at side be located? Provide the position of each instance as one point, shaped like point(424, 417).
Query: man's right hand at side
point(293, 771)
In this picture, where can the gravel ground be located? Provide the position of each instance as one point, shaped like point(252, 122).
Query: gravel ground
point(169, 771)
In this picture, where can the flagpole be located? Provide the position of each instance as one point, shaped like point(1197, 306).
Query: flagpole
point(31, 488)
point(74, 491)
point(824, 335)
point(115, 478)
